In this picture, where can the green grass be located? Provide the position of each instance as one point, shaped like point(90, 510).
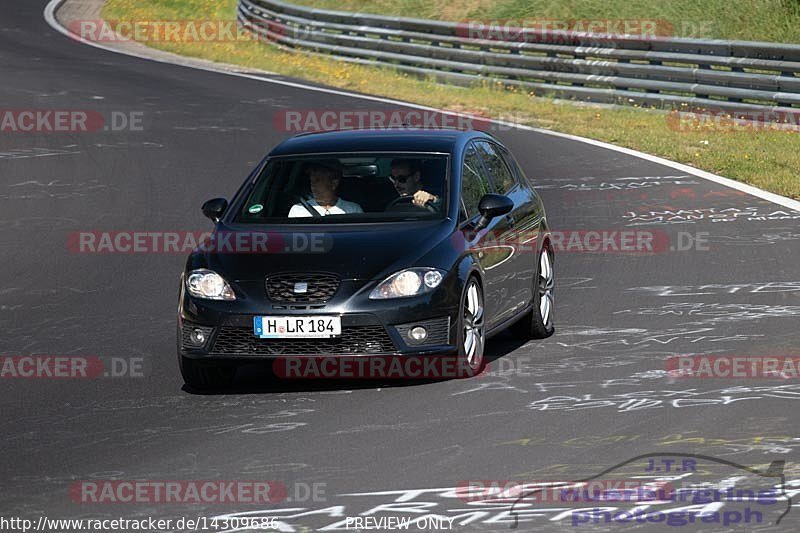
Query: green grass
point(766, 159)
point(760, 20)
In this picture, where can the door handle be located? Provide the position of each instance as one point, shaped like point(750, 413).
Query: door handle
point(510, 220)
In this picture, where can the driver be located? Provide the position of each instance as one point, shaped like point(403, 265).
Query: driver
point(406, 177)
point(323, 176)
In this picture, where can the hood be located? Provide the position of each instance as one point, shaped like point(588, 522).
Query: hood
point(362, 253)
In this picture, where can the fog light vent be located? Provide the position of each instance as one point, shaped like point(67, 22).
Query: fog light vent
point(430, 332)
point(194, 337)
point(197, 337)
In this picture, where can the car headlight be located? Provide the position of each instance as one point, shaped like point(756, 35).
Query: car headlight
point(207, 284)
point(406, 283)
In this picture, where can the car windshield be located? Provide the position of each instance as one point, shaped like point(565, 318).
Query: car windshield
point(347, 188)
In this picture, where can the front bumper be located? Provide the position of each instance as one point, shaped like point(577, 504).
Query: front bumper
point(369, 327)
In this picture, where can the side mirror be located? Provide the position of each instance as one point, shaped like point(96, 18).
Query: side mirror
point(214, 209)
point(491, 206)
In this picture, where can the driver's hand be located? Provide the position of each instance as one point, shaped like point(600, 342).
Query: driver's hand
point(422, 197)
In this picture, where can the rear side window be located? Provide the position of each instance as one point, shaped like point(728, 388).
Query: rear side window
point(474, 183)
point(499, 172)
point(519, 175)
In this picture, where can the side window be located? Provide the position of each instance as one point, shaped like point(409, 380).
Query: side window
point(519, 175)
point(473, 181)
point(500, 175)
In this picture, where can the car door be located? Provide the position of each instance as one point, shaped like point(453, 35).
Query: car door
point(509, 232)
point(528, 216)
point(491, 254)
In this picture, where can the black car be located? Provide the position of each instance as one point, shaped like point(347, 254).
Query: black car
point(362, 243)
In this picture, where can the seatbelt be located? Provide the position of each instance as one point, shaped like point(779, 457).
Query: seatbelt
point(309, 208)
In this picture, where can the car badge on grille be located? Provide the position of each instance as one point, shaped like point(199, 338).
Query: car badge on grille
point(301, 287)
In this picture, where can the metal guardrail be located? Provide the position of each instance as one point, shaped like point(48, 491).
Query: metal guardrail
point(753, 78)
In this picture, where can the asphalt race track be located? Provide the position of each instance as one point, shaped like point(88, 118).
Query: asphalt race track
point(591, 397)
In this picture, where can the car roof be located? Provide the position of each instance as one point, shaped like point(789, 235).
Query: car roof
point(376, 140)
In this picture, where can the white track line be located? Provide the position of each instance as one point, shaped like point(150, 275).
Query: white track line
point(52, 6)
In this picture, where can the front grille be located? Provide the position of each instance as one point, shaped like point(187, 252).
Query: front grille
point(354, 340)
point(321, 287)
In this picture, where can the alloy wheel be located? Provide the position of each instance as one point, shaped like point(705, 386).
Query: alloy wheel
point(474, 339)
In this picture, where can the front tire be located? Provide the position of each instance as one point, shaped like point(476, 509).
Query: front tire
point(538, 324)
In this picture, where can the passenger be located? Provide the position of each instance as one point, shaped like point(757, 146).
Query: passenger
point(406, 177)
point(324, 176)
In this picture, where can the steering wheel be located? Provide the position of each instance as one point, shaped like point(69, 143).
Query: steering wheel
point(407, 200)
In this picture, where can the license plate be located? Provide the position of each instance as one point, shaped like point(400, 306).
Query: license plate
point(297, 327)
